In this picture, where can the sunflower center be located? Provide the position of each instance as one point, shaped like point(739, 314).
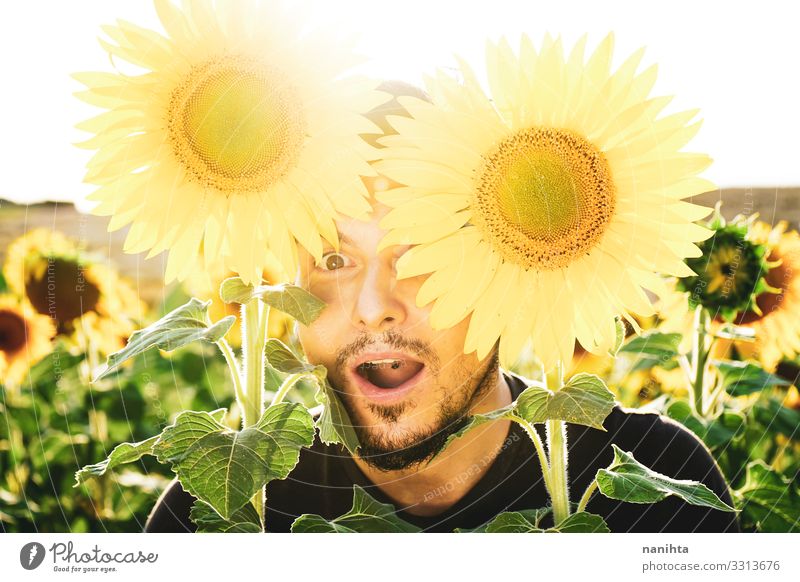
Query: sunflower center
point(13, 332)
point(544, 197)
point(61, 290)
point(236, 125)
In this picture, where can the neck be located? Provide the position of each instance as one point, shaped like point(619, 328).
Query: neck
point(430, 489)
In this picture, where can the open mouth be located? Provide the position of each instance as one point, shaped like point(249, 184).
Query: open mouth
point(389, 372)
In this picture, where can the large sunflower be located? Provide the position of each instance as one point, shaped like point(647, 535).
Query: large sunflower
point(79, 293)
point(545, 210)
point(24, 338)
point(239, 135)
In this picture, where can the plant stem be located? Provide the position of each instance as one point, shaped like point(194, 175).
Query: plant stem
point(253, 348)
point(236, 374)
point(699, 356)
point(586, 496)
point(537, 443)
point(255, 315)
point(288, 384)
point(557, 445)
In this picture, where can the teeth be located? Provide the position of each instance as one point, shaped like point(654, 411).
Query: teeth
point(393, 362)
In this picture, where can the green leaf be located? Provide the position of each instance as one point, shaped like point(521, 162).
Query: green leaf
point(281, 357)
point(653, 343)
point(714, 432)
point(334, 423)
point(290, 299)
point(528, 520)
point(477, 420)
point(769, 501)
point(653, 348)
point(122, 453)
point(628, 480)
point(243, 520)
point(777, 418)
point(524, 521)
point(366, 516)
point(585, 400)
point(225, 468)
point(184, 325)
point(619, 338)
point(742, 378)
point(582, 522)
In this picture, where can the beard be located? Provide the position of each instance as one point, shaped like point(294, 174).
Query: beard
point(414, 447)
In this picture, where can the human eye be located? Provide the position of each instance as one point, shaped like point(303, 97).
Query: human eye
point(333, 261)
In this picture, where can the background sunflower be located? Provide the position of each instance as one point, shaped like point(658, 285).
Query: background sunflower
point(82, 296)
point(24, 338)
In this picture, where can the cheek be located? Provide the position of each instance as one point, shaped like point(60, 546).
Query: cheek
point(322, 339)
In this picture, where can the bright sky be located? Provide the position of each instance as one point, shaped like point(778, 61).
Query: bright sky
point(736, 61)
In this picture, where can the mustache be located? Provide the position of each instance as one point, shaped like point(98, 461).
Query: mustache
point(391, 338)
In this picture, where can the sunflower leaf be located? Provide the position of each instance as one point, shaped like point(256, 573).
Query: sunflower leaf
point(122, 453)
point(768, 501)
point(528, 521)
point(742, 378)
point(182, 326)
point(225, 468)
point(585, 399)
point(290, 299)
point(334, 422)
point(243, 520)
point(619, 338)
point(366, 516)
point(626, 479)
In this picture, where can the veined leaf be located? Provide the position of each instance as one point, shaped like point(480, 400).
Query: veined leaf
point(334, 423)
point(626, 479)
point(653, 343)
point(585, 399)
point(769, 501)
point(122, 453)
point(742, 378)
point(528, 520)
point(714, 432)
point(225, 468)
point(290, 299)
point(619, 338)
point(366, 516)
point(184, 325)
point(653, 348)
point(243, 520)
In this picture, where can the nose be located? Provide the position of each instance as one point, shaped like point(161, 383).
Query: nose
point(378, 306)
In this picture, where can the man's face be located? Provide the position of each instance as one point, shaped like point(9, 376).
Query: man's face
point(405, 385)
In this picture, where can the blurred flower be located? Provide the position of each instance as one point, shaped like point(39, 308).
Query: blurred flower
point(730, 273)
point(24, 338)
point(66, 284)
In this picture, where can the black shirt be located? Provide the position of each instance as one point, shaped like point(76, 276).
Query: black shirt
point(323, 480)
